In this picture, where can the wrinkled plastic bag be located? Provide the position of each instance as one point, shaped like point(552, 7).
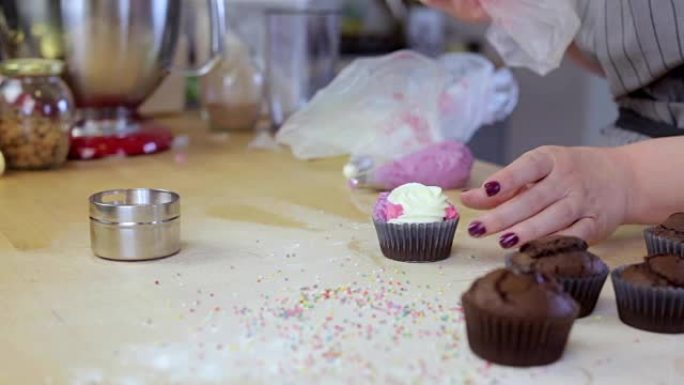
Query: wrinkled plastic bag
point(383, 111)
point(532, 33)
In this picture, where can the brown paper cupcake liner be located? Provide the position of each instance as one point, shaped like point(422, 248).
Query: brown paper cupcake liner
point(655, 309)
point(656, 244)
point(515, 341)
point(584, 290)
point(416, 242)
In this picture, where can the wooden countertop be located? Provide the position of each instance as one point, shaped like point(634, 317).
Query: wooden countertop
point(279, 281)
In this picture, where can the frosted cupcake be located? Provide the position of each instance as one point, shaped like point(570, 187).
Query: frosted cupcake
point(415, 223)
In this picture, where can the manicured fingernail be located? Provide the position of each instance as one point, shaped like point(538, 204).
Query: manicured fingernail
point(508, 240)
point(492, 188)
point(476, 229)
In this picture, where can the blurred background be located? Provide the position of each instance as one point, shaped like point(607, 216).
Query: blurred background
point(568, 107)
point(259, 78)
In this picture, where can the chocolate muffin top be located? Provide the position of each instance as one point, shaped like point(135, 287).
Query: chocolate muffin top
point(657, 271)
point(672, 227)
point(522, 295)
point(559, 256)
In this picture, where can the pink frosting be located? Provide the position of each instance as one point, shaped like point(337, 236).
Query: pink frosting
point(446, 164)
point(393, 211)
point(384, 210)
point(380, 208)
point(451, 212)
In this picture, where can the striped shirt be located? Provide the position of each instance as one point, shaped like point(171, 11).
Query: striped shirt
point(640, 46)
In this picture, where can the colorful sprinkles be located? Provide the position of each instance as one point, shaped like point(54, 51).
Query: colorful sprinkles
point(318, 330)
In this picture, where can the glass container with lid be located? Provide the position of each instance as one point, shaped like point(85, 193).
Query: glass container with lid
point(36, 113)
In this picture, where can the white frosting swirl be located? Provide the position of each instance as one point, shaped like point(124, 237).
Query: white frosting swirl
point(420, 203)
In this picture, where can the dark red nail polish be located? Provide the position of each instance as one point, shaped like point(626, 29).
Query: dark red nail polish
point(508, 240)
point(492, 188)
point(476, 229)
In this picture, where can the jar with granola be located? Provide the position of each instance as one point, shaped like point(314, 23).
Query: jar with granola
point(36, 114)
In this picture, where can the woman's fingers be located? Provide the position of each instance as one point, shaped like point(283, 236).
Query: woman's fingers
point(569, 191)
point(529, 202)
point(584, 228)
point(554, 218)
point(504, 184)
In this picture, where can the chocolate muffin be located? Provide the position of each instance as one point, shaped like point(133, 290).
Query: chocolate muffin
point(650, 295)
point(666, 238)
point(567, 259)
point(518, 319)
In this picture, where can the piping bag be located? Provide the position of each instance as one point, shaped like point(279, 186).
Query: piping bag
point(446, 164)
point(532, 33)
point(403, 118)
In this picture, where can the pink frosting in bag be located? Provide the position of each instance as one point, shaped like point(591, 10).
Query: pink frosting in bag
point(446, 164)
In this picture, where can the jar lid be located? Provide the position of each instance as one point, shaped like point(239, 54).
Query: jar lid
point(31, 67)
point(137, 206)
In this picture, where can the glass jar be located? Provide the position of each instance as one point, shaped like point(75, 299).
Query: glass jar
point(232, 92)
point(36, 114)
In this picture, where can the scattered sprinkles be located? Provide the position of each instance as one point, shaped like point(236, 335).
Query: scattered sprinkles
point(320, 328)
point(357, 332)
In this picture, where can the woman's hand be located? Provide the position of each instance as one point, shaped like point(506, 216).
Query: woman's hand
point(579, 191)
point(466, 10)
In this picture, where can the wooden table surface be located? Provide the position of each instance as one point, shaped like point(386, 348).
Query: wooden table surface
point(280, 280)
